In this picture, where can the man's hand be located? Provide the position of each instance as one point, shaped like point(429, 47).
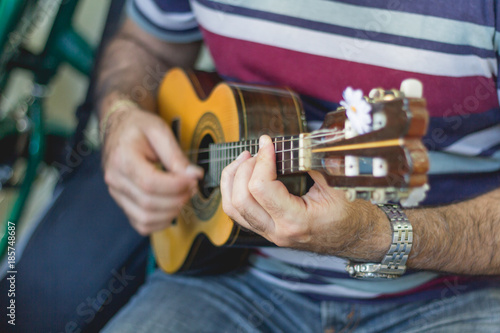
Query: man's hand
point(136, 143)
point(458, 238)
point(321, 221)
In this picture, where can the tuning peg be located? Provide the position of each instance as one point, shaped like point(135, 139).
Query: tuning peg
point(382, 195)
point(415, 196)
point(352, 194)
point(412, 88)
point(376, 93)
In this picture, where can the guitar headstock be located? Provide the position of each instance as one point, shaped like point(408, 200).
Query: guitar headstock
point(372, 148)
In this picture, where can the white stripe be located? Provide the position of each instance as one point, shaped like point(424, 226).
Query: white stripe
point(345, 48)
point(496, 42)
point(305, 259)
point(446, 163)
point(171, 21)
point(377, 21)
point(476, 143)
point(326, 290)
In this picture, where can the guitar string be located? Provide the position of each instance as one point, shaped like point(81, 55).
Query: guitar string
point(228, 160)
point(277, 152)
point(337, 135)
point(312, 168)
point(210, 182)
point(228, 146)
point(247, 148)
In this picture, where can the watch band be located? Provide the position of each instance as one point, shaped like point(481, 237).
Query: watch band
point(394, 263)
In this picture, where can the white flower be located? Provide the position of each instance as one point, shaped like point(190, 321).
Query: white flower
point(357, 110)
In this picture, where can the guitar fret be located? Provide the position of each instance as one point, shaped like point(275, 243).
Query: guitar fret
point(223, 159)
point(288, 151)
point(283, 155)
point(210, 168)
point(222, 154)
point(278, 146)
point(296, 154)
point(217, 163)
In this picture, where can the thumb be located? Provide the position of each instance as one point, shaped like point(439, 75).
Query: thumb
point(266, 158)
point(170, 153)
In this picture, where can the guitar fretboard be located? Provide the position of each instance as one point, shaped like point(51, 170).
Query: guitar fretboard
point(222, 154)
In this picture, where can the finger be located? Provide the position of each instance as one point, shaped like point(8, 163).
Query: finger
point(253, 214)
point(226, 185)
point(152, 201)
point(143, 221)
point(169, 152)
point(269, 192)
point(149, 179)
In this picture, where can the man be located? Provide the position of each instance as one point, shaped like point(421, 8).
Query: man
point(317, 48)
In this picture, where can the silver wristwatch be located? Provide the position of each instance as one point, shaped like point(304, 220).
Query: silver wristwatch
point(394, 263)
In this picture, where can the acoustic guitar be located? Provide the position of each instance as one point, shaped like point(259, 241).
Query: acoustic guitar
point(215, 121)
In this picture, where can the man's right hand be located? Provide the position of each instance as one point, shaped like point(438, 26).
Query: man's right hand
point(136, 142)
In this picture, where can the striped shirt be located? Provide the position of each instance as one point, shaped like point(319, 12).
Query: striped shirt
point(319, 47)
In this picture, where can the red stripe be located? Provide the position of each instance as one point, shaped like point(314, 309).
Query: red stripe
point(326, 78)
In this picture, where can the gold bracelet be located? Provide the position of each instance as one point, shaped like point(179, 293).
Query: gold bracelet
point(117, 105)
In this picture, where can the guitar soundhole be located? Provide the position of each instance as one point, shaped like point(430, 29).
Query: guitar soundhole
point(208, 183)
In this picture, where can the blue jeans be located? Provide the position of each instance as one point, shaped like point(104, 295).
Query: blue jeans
point(240, 302)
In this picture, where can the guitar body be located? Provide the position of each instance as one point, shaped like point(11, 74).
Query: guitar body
point(202, 111)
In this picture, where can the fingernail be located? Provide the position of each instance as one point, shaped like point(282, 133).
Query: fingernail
point(194, 170)
point(263, 140)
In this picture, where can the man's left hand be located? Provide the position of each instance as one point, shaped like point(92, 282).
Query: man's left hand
point(321, 221)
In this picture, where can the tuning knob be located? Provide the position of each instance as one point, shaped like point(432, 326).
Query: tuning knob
point(412, 88)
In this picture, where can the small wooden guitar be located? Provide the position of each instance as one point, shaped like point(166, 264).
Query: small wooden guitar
point(215, 121)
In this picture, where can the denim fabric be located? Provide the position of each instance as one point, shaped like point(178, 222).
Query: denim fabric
point(240, 302)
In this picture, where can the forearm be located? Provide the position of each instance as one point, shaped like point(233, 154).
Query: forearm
point(461, 238)
point(121, 76)
point(133, 65)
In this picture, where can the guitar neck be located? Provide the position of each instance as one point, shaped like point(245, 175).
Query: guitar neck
point(287, 148)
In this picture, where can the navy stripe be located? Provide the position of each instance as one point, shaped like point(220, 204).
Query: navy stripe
point(317, 272)
point(442, 293)
point(478, 12)
point(354, 33)
point(173, 6)
point(169, 31)
point(310, 280)
point(445, 189)
point(444, 131)
point(490, 151)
